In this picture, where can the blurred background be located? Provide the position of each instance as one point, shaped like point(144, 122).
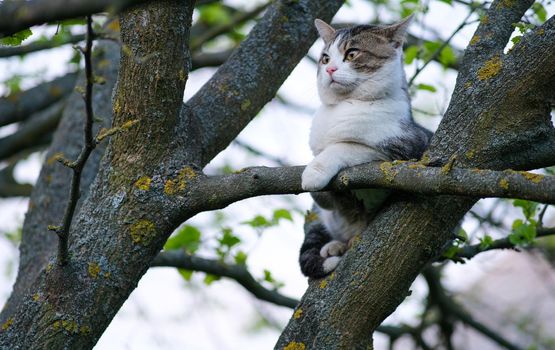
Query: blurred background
point(497, 299)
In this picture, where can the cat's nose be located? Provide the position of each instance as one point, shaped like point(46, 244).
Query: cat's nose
point(331, 69)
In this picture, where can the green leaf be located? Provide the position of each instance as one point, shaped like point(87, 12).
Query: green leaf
point(529, 208)
point(186, 274)
point(449, 2)
point(209, 278)
point(228, 239)
point(214, 14)
point(258, 221)
point(539, 11)
point(450, 252)
point(463, 236)
point(426, 87)
point(486, 242)
point(240, 258)
point(187, 237)
point(447, 56)
point(523, 233)
point(16, 38)
point(282, 214)
point(268, 276)
point(411, 53)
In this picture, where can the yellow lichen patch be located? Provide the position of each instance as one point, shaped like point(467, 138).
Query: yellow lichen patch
point(70, 326)
point(55, 91)
point(172, 186)
point(474, 40)
point(469, 154)
point(298, 313)
point(344, 179)
point(142, 232)
point(294, 346)
point(85, 330)
point(56, 325)
point(540, 31)
point(535, 178)
point(143, 183)
point(107, 274)
point(468, 85)
point(425, 159)
point(117, 107)
point(245, 105)
point(103, 64)
point(36, 297)
point(55, 157)
point(182, 75)
point(388, 171)
point(490, 69)
point(323, 283)
point(104, 133)
point(94, 270)
point(128, 124)
point(446, 169)
point(7, 324)
point(504, 184)
point(484, 19)
point(49, 267)
point(310, 216)
point(114, 25)
point(506, 3)
point(416, 166)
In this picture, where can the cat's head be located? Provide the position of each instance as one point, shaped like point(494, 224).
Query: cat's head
point(362, 62)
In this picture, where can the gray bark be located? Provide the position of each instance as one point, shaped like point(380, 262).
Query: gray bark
point(123, 223)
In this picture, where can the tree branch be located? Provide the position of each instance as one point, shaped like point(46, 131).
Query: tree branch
point(239, 273)
point(33, 131)
point(39, 46)
point(180, 259)
point(405, 176)
point(18, 15)
point(212, 59)
point(11, 188)
point(494, 31)
point(18, 107)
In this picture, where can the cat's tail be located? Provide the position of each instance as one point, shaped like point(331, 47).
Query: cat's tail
point(312, 263)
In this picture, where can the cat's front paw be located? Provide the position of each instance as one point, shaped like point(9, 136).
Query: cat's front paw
point(331, 263)
point(314, 179)
point(333, 248)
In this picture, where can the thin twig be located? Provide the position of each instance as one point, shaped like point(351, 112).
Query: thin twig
point(77, 166)
point(470, 251)
point(437, 52)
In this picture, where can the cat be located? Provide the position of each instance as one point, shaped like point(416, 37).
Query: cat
point(365, 116)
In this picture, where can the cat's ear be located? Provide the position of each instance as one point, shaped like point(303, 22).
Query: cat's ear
point(327, 33)
point(397, 31)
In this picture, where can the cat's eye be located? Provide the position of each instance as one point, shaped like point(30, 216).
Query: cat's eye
point(325, 59)
point(351, 54)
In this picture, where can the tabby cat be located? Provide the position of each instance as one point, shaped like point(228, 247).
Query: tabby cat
point(365, 116)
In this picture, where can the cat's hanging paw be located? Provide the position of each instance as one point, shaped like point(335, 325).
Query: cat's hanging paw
point(331, 263)
point(333, 248)
point(314, 179)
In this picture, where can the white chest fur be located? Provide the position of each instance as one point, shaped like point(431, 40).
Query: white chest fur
point(363, 122)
